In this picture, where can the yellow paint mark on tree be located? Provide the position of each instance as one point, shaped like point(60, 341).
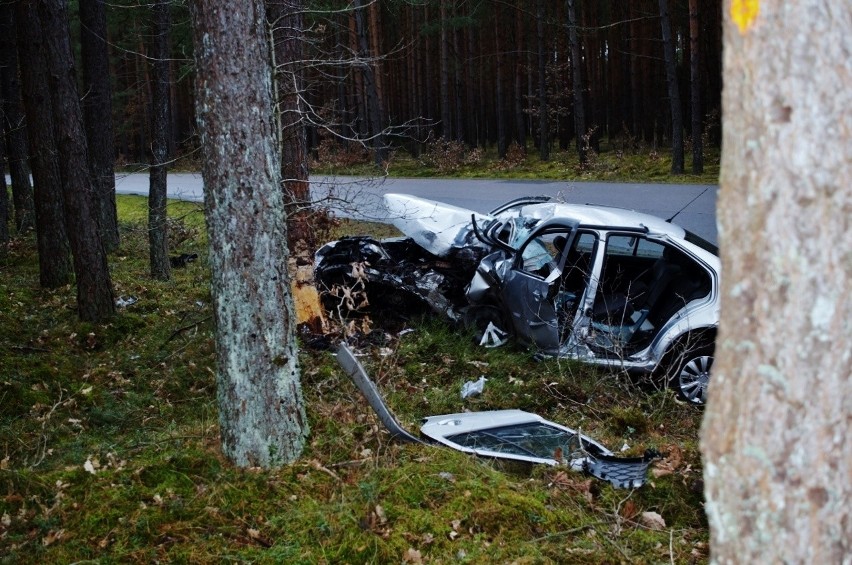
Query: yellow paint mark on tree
point(744, 12)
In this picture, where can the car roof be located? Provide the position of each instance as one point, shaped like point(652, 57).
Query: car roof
point(602, 217)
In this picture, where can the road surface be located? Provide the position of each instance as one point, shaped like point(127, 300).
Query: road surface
point(694, 204)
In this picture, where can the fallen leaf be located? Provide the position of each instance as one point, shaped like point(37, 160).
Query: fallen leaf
point(412, 556)
point(89, 466)
point(629, 510)
point(652, 521)
point(380, 514)
point(254, 534)
point(52, 537)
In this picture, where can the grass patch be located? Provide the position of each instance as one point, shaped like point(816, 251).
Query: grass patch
point(612, 163)
point(110, 448)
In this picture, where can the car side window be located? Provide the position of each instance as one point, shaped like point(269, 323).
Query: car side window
point(575, 273)
point(541, 255)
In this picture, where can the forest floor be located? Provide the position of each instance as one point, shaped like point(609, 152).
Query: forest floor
point(109, 446)
point(615, 162)
point(453, 159)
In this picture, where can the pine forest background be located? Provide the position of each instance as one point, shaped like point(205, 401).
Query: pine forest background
point(399, 75)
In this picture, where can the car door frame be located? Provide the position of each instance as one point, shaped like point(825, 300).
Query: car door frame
point(527, 296)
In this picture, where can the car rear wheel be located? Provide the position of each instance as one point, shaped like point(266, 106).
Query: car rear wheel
point(486, 322)
point(691, 374)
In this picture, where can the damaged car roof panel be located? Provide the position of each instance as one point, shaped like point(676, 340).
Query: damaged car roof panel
point(512, 434)
point(506, 434)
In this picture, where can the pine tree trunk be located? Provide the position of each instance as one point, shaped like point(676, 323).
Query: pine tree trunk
point(374, 113)
point(695, 88)
point(261, 410)
point(14, 125)
point(499, 99)
point(543, 110)
point(458, 87)
point(577, 83)
point(775, 436)
point(54, 253)
point(287, 24)
point(97, 108)
point(518, 78)
point(674, 91)
point(94, 288)
point(158, 237)
point(4, 191)
point(446, 113)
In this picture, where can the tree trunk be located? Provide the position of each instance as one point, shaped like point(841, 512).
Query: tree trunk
point(94, 289)
point(14, 125)
point(54, 254)
point(518, 78)
point(4, 190)
point(446, 114)
point(674, 91)
point(695, 90)
point(97, 108)
point(261, 410)
point(499, 99)
point(158, 237)
point(373, 105)
point(285, 18)
point(775, 436)
point(458, 87)
point(543, 117)
point(577, 86)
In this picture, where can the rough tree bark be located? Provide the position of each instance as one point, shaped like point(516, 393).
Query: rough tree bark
point(54, 253)
point(446, 112)
point(97, 109)
point(14, 125)
point(543, 111)
point(4, 190)
point(373, 105)
point(499, 96)
point(261, 410)
point(674, 91)
point(286, 20)
point(775, 437)
point(695, 90)
point(95, 301)
point(158, 237)
point(577, 80)
point(518, 76)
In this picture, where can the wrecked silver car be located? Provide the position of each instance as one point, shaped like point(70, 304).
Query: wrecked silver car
point(602, 285)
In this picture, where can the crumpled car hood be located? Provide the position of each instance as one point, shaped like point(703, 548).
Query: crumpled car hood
point(436, 227)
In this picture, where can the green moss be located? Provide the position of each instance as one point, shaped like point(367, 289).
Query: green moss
point(111, 447)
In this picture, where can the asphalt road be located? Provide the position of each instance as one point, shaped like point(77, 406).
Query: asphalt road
point(361, 198)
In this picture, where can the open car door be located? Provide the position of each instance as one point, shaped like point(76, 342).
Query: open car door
point(531, 287)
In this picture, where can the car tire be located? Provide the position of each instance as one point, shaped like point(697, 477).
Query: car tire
point(690, 374)
point(489, 328)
